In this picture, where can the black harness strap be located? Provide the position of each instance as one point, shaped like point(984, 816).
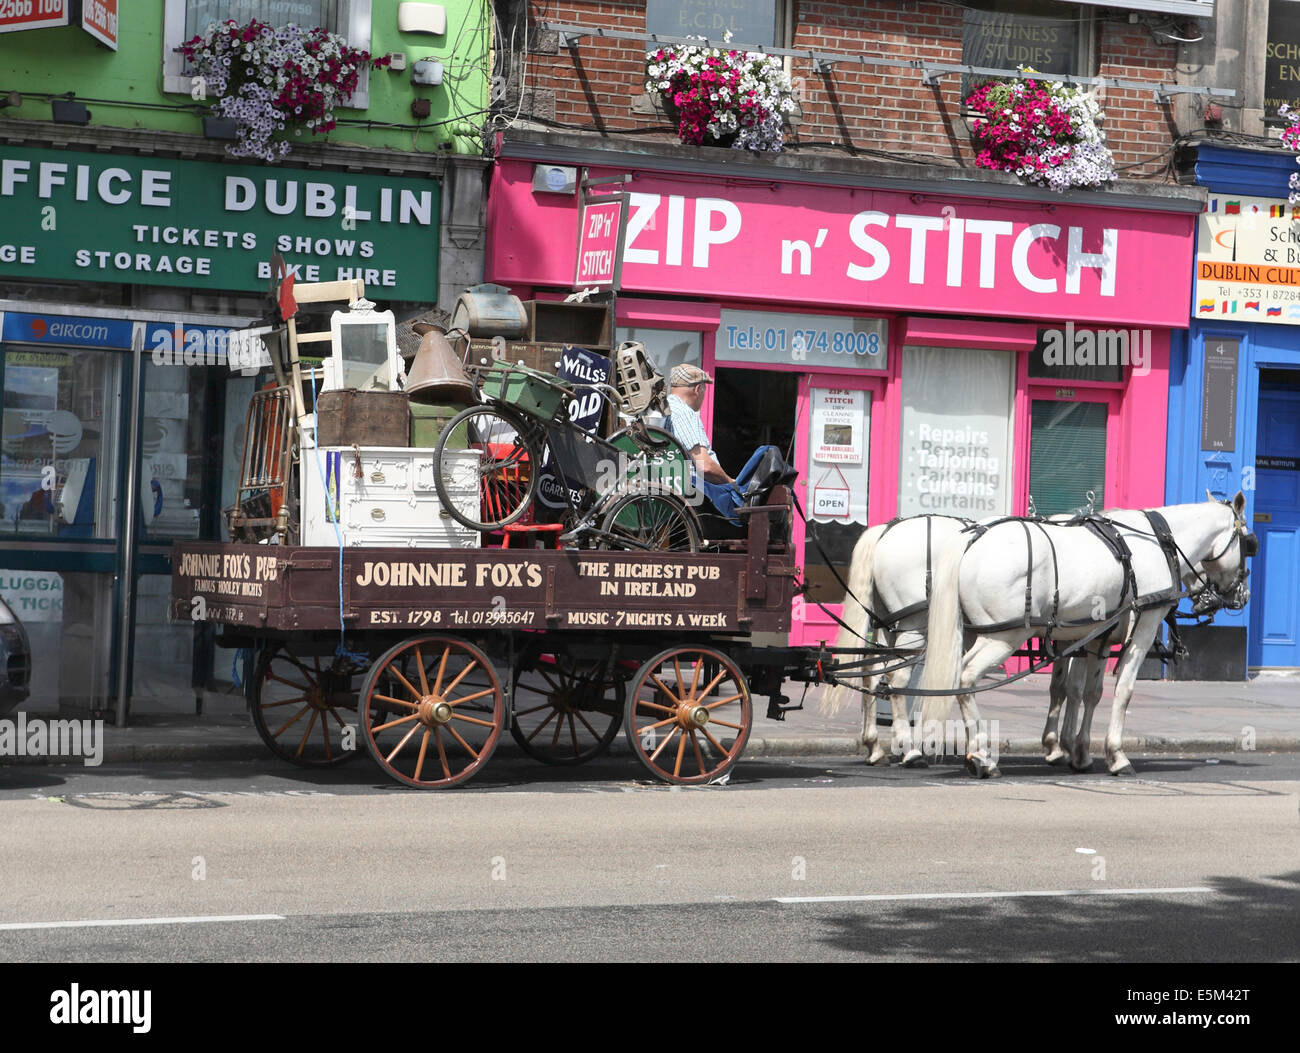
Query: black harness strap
point(1165, 537)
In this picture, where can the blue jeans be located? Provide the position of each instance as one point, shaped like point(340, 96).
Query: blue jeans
point(725, 497)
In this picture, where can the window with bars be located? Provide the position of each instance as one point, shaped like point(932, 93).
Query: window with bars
point(1067, 455)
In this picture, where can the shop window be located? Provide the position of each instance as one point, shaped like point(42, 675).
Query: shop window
point(1067, 455)
point(175, 451)
point(184, 19)
point(1008, 34)
point(58, 462)
point(1088, 354)
point(751, 22)
point(1282, 58)
point(955, 450)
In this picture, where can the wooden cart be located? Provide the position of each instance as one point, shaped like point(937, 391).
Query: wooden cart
point(427, 655)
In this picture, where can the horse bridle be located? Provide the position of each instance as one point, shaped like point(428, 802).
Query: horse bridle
point(1209, 597)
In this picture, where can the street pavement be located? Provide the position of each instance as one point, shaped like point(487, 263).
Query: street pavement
point(1164, 716)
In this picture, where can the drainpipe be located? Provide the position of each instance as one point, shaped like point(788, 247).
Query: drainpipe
point(127, 581)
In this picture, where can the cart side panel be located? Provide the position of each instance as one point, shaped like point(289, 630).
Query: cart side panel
point(463, 590)
point(231, 584)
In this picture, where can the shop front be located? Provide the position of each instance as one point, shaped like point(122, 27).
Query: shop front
point(1234, 404)
point(916, 352)
point(123, 426)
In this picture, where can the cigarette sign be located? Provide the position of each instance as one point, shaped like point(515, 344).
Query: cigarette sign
point(34, 14)
point(99, 19)
point(598, 244)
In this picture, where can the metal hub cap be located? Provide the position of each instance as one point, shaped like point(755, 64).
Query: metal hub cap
point(434, 710)
point(693, 716)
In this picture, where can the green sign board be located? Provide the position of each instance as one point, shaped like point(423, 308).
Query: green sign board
point(206, 225)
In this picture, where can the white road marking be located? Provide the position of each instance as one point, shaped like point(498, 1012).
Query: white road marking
point(995, 895)
point(137, 921)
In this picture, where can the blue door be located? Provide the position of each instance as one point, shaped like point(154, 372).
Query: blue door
point(1275, 572)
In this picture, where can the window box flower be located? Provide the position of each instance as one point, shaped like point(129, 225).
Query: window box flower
point(722, 97)
point(1042, 131)
point(267, 79)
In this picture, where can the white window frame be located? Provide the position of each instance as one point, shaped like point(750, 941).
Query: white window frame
point(354, 20)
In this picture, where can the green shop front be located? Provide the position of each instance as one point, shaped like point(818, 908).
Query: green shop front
point(123, 426)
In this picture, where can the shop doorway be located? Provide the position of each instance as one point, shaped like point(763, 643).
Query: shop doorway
point(752, 408)
point(1275, 572)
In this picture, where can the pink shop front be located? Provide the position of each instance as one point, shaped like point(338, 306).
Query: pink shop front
point(919, 352)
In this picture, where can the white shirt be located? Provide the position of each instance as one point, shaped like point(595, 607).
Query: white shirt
point(687, 427)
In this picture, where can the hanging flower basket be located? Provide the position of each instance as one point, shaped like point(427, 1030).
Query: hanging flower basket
point(1291, 140)
point(1042, 131)
point(719, 97)
point(268, 79)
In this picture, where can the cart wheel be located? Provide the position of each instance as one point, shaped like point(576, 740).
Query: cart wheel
point(510, 453)
point(432, 711)
point(688, 715)
point(296, 703)
point(658, 522)
point(566, 711)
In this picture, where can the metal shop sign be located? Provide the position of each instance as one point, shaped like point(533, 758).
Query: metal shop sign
point(817, 341)
point(99, 19)
point(204, 225)
point(32, 14)
point(1248, 260)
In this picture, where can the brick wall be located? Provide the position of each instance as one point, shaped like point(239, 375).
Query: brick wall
point(853, 108)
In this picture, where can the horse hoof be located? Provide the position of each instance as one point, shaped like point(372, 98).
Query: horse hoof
point(878, 758)
point(1081, 766)
point(915, 759)
point(981, 768)
point(1056, 757)
point(1125, 769)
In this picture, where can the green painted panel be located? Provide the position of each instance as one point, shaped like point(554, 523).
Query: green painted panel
point(155, 221)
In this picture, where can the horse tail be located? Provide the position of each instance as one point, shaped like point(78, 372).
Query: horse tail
point(943, 640)
point(855, 617)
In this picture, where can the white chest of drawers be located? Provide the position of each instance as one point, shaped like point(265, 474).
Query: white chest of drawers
point(391, 502)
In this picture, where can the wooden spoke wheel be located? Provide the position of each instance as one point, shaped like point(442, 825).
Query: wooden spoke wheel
point(432, 711)
point(688, 715)
point(509, 449)
point(566, 711)
point(651, 522)
point(305, 708)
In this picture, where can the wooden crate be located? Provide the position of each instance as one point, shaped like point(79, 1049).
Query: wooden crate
point(363, 418)
point(580, 324)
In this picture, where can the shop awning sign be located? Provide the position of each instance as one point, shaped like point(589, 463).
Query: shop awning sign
point(166, 221)
point(601, 220)
point(16, 15)
point(99, 19)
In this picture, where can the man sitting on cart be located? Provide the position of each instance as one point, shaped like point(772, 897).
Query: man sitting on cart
point(686, 384)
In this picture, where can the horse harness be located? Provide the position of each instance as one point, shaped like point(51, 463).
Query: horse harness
point(1108, 533)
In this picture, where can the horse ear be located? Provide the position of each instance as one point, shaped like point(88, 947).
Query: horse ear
point(1239, 503)
point(1208, 496)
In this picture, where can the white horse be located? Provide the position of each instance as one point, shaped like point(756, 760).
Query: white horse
point(888, 572)
point(1022, 578)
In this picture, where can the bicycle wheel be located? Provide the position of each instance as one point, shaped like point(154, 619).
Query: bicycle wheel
point(507, 478)
point(650, 522)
